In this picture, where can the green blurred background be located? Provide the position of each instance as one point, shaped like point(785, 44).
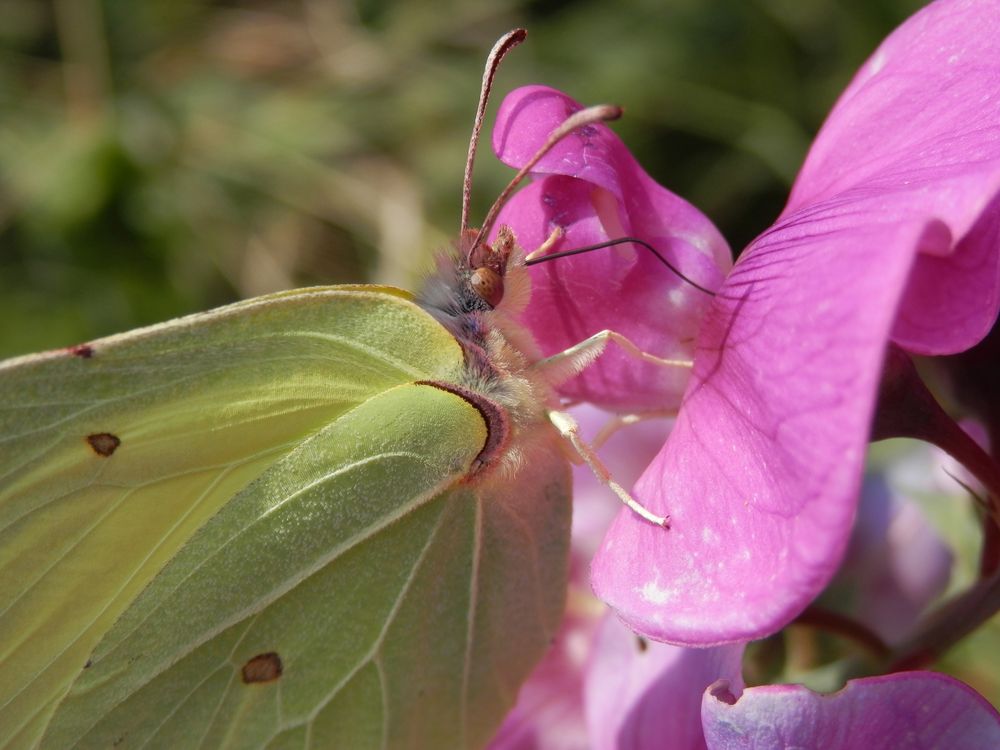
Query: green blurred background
point(161, 157)
point(166, 156)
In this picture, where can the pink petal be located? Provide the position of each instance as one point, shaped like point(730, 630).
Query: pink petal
point(549, 714)
point(626, 453)
point(920, 125)
point(761, 473)
point(640, 694)
point(951, 302)
point(549, 711)
point(597, 191)
point(904, 711)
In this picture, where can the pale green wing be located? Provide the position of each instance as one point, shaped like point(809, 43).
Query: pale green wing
point(112, 457)
point(346, 599)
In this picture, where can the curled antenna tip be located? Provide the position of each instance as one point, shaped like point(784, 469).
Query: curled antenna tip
point(503, 45)
point(610, 111)
point(586, 116)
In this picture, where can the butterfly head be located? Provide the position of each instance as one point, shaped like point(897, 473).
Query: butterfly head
point(488, 273)
point(488, 265)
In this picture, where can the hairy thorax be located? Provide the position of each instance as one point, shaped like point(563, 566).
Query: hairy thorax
point(498, 377)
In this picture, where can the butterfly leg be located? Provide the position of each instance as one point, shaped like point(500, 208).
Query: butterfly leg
point(562, 366)
point(619, 421)
point(571, 433)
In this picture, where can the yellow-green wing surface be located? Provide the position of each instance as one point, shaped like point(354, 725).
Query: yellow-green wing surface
point(168, 495)
point(403, 616)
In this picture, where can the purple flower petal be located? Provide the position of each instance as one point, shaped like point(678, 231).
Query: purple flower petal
point(549, 714)
point(761, 473)
point(595, 191)
point(896, 563)
point(918, 128)
point(641, 694)
point(904, 711)
point(626, 453)
point(951, 302)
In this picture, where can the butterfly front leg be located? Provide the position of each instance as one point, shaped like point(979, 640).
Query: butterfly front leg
point(562, 366)
point(570, 432)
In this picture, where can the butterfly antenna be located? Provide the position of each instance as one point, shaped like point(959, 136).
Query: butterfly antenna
point(588, 116)
point(533, 260)
point(504, 45)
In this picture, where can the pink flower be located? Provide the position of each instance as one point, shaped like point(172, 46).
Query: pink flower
point(641, 695)
point(591, 186)
point(550, 713)
point(646, 695)
point(601, 687)
point(891, 234)
point(895, 712)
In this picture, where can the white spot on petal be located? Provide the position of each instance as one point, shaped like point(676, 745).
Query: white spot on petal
point(877, 62)
point(577, 648)
point(653, 594)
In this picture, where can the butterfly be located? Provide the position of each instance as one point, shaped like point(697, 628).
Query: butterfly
point(329, 517)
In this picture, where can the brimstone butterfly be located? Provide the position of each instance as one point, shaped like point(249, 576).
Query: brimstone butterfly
point(334, 517)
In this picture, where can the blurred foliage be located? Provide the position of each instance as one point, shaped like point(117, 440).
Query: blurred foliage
point(166, 156)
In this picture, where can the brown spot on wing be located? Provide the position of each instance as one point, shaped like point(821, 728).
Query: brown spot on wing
point(103, 443)
point(262, 668)
point(86, 351)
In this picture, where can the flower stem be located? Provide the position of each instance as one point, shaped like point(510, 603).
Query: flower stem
point(906, 408)
point(833, 622)
point(989, 558)
point(948, 625)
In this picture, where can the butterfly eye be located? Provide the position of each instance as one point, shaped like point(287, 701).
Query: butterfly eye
point(488, 284)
